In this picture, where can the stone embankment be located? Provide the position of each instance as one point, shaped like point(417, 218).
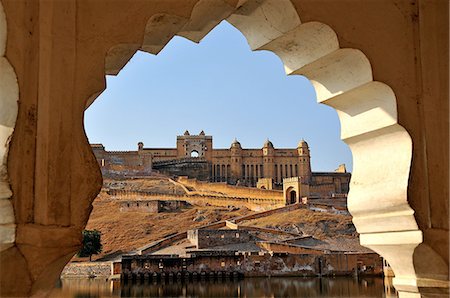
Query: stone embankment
point(87, 270)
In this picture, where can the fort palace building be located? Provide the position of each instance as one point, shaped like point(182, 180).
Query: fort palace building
point(195, 157)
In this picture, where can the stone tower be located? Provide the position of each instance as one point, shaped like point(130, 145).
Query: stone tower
point(236, 160)
point(304, 161)
point(268, 159)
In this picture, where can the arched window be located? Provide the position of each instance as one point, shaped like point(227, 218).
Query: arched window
point(194, 153)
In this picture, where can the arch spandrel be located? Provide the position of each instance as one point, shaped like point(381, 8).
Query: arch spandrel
point(159, 30)
point(272, 18)
point(303, 45)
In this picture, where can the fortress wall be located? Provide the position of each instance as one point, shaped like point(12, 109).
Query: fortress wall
point(152, 206)
point(256, 204)
point(205, 238)
point(141, 206)
point(323, 190)
point(232, 190)
point(162, 154)
point(200, 170)
point(123, 162)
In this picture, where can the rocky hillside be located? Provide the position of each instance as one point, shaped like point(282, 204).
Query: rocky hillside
point(126, 231)
point(321, 225)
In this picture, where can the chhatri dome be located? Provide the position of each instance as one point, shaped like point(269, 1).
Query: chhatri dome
point(302, 143)
point(235, 144)
point(268, 144)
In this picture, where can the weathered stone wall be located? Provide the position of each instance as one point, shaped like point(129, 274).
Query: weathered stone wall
point(253, 264)
point(87, 269)
point(205, 238)
point(256, 204)
point(265, 183)
point(231, 190)
point(350, 263)
point(198, 169)
point(152, 206)
point(322, 190)
point(325, 185)
point(140, 206)
point(122, 163)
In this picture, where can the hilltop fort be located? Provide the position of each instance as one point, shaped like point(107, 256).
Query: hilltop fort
point(195, 157)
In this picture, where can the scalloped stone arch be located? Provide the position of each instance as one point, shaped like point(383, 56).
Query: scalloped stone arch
point(342, 78)
point(9, 95)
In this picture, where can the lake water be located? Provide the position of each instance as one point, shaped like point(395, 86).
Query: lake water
point(247, 287)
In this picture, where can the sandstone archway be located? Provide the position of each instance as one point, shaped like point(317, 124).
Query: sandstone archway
point(54, 176)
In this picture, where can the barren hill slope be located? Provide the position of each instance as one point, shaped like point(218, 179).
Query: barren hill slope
point(129, 230)
point(321, 225)
point(126, 231)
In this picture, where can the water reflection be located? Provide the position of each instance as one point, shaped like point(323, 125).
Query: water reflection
point(249, 287)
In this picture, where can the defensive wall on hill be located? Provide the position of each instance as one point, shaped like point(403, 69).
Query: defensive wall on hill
point(255, 204)
point(230, 190)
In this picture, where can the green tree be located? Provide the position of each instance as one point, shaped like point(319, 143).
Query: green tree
point(92, 244)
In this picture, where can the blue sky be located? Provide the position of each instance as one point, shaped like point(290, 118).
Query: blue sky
point(219, 86)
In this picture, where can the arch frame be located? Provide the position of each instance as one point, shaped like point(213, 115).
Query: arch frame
point(194, 22)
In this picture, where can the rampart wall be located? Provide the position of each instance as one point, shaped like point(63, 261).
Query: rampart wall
point(232, 190)
point(205, 238)
point(152, 206)
point(255, 204)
